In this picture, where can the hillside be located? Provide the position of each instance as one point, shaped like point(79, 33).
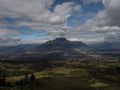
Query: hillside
point(65, 48)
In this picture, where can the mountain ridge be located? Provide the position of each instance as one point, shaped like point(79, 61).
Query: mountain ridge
point(57, 48)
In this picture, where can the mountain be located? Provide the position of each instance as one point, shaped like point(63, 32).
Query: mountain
point(55, 49)
point(107, 45)
point(63, 44)
point(111, 49)
point(62, 47)
point(7, 51)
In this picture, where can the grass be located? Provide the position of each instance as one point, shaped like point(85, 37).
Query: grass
point(99, 84)
point(75, 75)
point(52, 72)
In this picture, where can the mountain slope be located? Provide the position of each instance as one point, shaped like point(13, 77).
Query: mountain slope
point(107, 45)
point(16, 50)
point(110, 49)
point(54, 49)
point(65, 48)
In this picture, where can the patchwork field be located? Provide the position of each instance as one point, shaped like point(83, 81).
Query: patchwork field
point(64, 75)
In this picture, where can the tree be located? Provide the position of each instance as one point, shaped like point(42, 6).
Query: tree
point(26, 79)
point(2, 81)
point(32, 78)
point(20, 82)
point(8, 84)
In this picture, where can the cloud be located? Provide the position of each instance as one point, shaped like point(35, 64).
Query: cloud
point(8, 37)
point(35, 15)
point(41, 15)
point(113, 37)
point(33, 41)
point(62, 12)
point(106, 21)
point(55, 22)
point(112, 12)
point(6, 41)
point(90, 1)
point(37, 10)
point(24, 8)
point(8, 32)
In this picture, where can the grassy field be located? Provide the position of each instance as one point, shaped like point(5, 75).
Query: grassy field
point(65, 75)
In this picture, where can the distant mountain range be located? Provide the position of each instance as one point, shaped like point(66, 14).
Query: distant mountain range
point(60, 48)
point(111, 49)
point(106, 45)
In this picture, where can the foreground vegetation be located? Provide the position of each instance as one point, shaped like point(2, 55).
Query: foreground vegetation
point(83, 74)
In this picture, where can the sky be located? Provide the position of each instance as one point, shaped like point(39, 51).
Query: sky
point(36, 21)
